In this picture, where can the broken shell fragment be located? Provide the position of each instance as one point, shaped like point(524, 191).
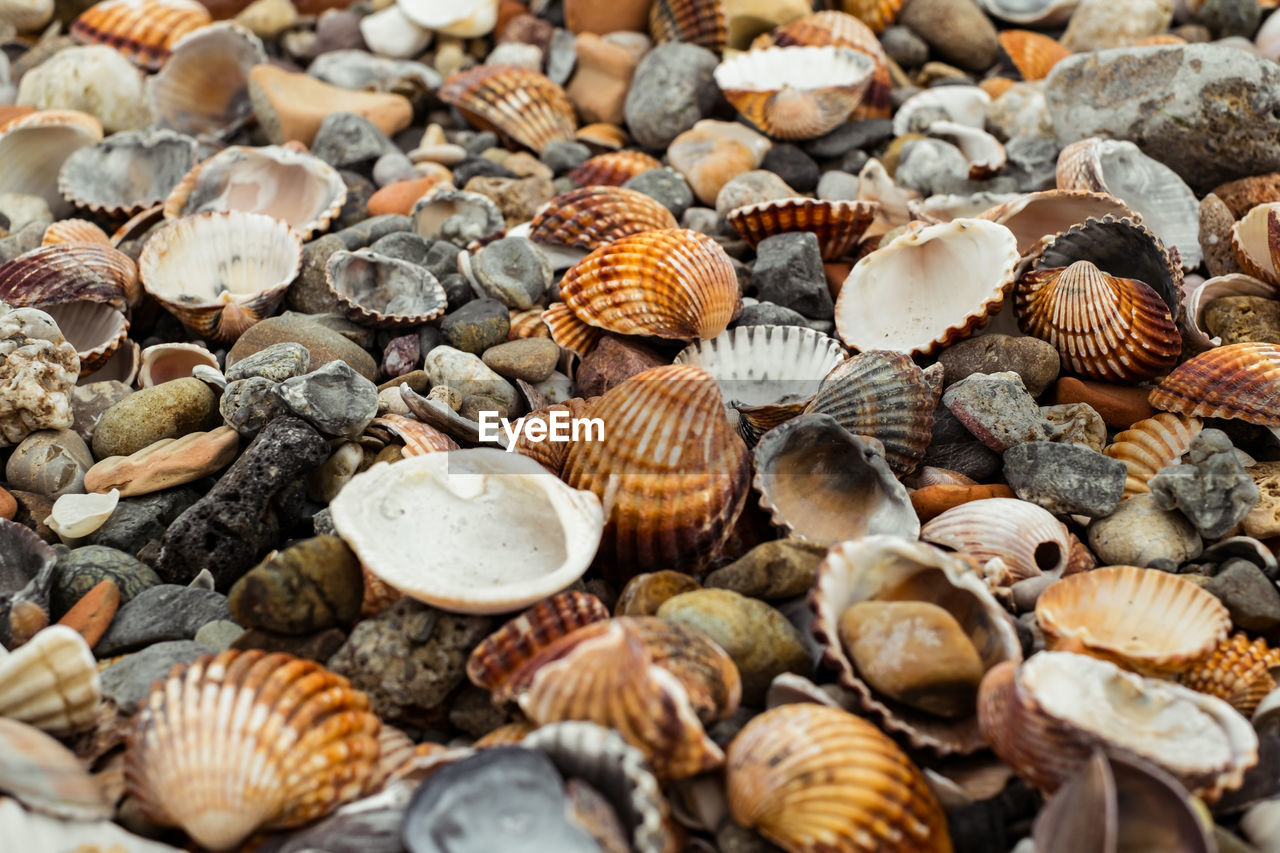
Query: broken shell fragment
point(51, 682)
point(75, 516)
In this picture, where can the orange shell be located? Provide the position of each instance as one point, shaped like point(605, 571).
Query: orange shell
point(515, 102)
point(1240, 381)
point(673, 283)
point(591, 216)
point(418, 438)
point(1255, 240)
point(701, 22)
point(142, 30)
point(797, 92)
point(551, 454)
point(613, 169)
point(569, 332)
point(1033, 54)
point(840, 29)
point(876, 14)
point(528, 324)
point(1150, 445)
point(74, 231)
point(603, 135)
point(1237, 671)
point(838, 225)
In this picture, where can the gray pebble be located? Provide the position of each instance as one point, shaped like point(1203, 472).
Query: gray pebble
point(1249, 596)
point(997, 410)
point(276, 363)
point(392, 167)
point(931, 166)
point(848, 136)
point(904, 47)
point(346, 140)
point(667, 186)
point(562, 57)
point(309, 292)
point(1210, 487)
point(769, 314)
point(128, 683)
point(673, 87)
point(1035, 361)
point(512, 270)
point(562, 156)
point(476, 326)
point(334, 399)
point(1066, 479)
point(405, 246)
point(164, 612)
point(750, 188)
point(248, 405)
point(838, 185)
point(788, 271)
point(1139, 533)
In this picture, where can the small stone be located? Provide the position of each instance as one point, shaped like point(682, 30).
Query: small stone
point(562, 156)
point(750, 188)
point(931, 167)
point(442, 260)
point(248, 405)
point(673, 88)
point(838, 186)
point(400, 196)
point(701, 219)
point(83, 568)
point(530, 359)
point(141, 521)
point(769, 314)
point(779, 569)
point(355, 209)
point(361, 234)
point(308, 587)
point(309, 292)
point(957, 31)
point(348, 141)
point(218, 634)
point(338, 29)
point(403, 246)
point(167, 463)
point(1237, 319)
point(401, 355)
point(562, 56)
point(713, 153)
point(613, 361)
point(21, 210)
point(667, 186)
point(323, 345)
point(317, 647)
point(1120, 406)
point(95, 79)
point(161, 613)
point(788, 271)
point(514, 53)
point(592, 16)
point(794, 167)
point(645, 593)
point(91, 400)
point(1249, 596)
point(517, 198)
point(514, 271)
point(168, 410)
point(1035, 361)
point(1102, 24)
point(1066, 479)
point(21, 242)
point(91, 615)
point(850, 136)
point(275, 363)
point(480, 167)
point(476, 326)
point(8, 504)
point(997, 410)
point(1216, 222)
point(1263, 521)
point(1139, 533)
point(51, 463)
point(904, 47)
point(524, 165)
point(334, 399)
point(268, 18)
point(128, 682)
point(598, 89)
point(446, 365)
point(294, 106)
point(1210, 486)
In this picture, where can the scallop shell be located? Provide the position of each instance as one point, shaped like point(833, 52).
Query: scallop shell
point(165, 362)
point(51, 682)
point(1150, 445)
point(1204, 295)
point(1045, 718)
point(960, 272)
point(896, 569)
point(1103, 327)
point(204, 87)
point(1031, 13)
point(839, 29)
point(570, 333)
point(1240, 381)
point(221, 272)
point(384, 292)
point(885, 396)
point(74, 231)
point(1012, 539)
point(292, 186)
point(1035, 216)
point(876, 14)
point(143, 30)
point(673, 283)
point(838, 225)
point(126, 172)
point(515, 102)
point(613, 169)
point(796, 92)
point(593, 216)
point(1033, 54)
point(701, 22)
point(34, 147)
point(47, 777)
point(671, 472)
point(528, 324)
point(248, 740)
point(813, 779)
point(825, 485)
point(1238, 671)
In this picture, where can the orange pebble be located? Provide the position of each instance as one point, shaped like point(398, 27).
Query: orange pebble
point(93, 613)
point(932, 501)
point(400, 196)
point(1121, 406)
point(8, 505)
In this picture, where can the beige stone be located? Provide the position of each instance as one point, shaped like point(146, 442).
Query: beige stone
point(292, 106)
point(1263, 520)
point(268, 18)
point(166, 463)
point(1102, 24)
point(599, 87)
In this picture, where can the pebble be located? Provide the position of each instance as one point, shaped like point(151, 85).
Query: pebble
point(1035, 361)
point(1032, 162)
point(530, 359)
point(1249, 596)
point(836, 185)
point(932, 501)
point(323, 345)
point(779, 569)
point(1120, 406)
point(1209, 487)
point(168, 410)
point(275, 363)
point(141, 521)
point(904, 47)
point(476, 326)
point(1263, 521)
point(524, 165)
point(613, 361)
point(334, 399)
point(1102, 24)
point(401, 355)
point(399, 197)
point(161, 613)
point(95, 79)
point(218, 634)
point(672, 90)
point(562, 56)
point(956, 30)
point(997, 410)
point(1216, 221)
point(712, 153)
point(370, 230)
point(446, 365)
point(1139, 533)
point(1237, 319)
point(293, 107)
point(248, 405)
point(795, 168)
point(268, 18)
point(931, 167)
point(517, 198)
point(83, 568)
point(1066, 479)
point(788, 271)
point(599, 86)
point(8, 504)
point(310, 292)
point(1075, 423)
point(308, 587)
point(750, 188)
point(514, 271)
point(667, 186)
point(50, 463)
point(128, 682)
point(338, 29)
point(92, 615)
point(850, 136)
point(164, 464)
point(563, 156)
point(769, 314)
point(348, 141)
point(520, 55)
point(1226, 18)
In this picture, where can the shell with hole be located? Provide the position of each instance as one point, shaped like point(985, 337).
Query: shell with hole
point(701, 22)
point(220, 273)
point(246, 740)
point(1149, 446)
point(143, 30)
point(126, 172)
point(34, 147)
point(840, 29)
point(204, 87)
point(1240, 671)
point(517, 103)
point(867, 587)
point(594, 216)
point(838, 225)
point(1236, 381)
point(384, 292)
point(51, 682)
point(1013, 540)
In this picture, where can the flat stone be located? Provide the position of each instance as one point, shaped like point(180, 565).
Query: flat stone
point(168, 410)
point(750, 188)
point(219, 634)
point(1249, 596)
point(769, 314)
point(139, 521)
point(334, 399)
point(161, 613)
point(323, 345)
point(1066, 479)
point(1035, 361)
point(1210, 487)
point(128, 682)
point(530, 359)
point(1139, 533)
point(614, 360)
point(997, 410)
point(276, 363)
point(793, 167)
point(310, 292)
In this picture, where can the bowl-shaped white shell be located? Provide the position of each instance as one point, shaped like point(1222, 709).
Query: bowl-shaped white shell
point(965, 105)
point(1232, 284)
point(127, 171)
point(76, 516)
point(204, 85)
point(1031, 13)
point(51, 682)
point(34, 147)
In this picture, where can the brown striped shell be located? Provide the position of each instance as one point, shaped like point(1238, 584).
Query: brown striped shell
point(570, 333)
point(1011, 539)
point(593, 216)
point(551, 454)
point(838, 225)
point(528, 324)
point(1103, 327)
point(142, 30)
point(1033, 54)
point(813, 779)
point(613, 168)
point(74, 231)
point(515, 102)
point(1150, 445)
point(1255, 240)
point(876, 14)
point(418, 438)
point(840, 29)
point(701, 22)
point(1237, 381)
point(673, 283)
point(248, 740)
point(1239, 671)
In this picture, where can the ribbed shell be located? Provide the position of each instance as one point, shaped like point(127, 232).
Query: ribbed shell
point(838, 225)
point(418, 438)
point(515, 102)
point(528, 324)
point(51, 682)
point(674, 283)
point(1036, 216)
point(613, 169)
point(69, 272)
point(126, 172)
point(876, 14)
point(142, 30)
point(550, 454)
point(1033, 54)
point(204, 86)
point(247, 740)
point(1255, 240)
point(813, 779)
point(839, 29)
point(1150, 445)
point(708, 674)
point(671, 472)
point(883, 395)
point(1103, 327)
point(1237, 381)
point(1012, 539)
point(368, 286)
point(701, 22)
point(74, 231)
point(593, 216)
point(569, 332)
point(47, 777)
point(1238, 671)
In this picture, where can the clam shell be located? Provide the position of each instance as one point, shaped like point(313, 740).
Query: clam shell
point(892, 568)
point(838, 225)
point(613, 169)
point(701, 22)
point(1013, 540)
point(1255, 239)
point(26, 575)
point(796, 92)
point(1240, 381)
point(602, 135)
point(1035, 216)
point(813, 779)
point(247, 740)
point(514, 102)
point(126, 172)
point(984, 152)
point(47, 777)
point(673, 283)
point(34, 147)
point(875, 185)
point(1238, 671)
point(942, 306)
point(1103, 326)
point(1045, 718)
point(570, 333)
point(458, 216)
point(384, 292)
point(1232, 284)
point(51, 682)
point(220, 272)
point(74, 231)
point(550, 454)
point(965, 105)
point(1033, 54)
point(707, 673)
point(204, 87)
point(1150, 445)
point(165, 362)
point(143, 30)
point(298, 189)
point(839, 29)
point(593, 216)
point(876, 14)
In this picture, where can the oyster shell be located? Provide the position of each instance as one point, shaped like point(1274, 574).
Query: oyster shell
point(1033, 54)
point(1150, 445)
point(1238, 671)
point(126, 172)
point(34, 147)
point(1240, 381)
point(839, 29)
point(514, 102)
point(1035, 216)
point(838, 225)
point(1012, 539)
point(384, 292)
point(143, 30)
point(204, 86)
point(701, 22)
point(613, 169)
point(51, 682)
point(165, 362)
point(593, 216)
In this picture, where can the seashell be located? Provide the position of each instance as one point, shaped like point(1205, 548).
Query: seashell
point(1103, 326)
point(1151, 445)
point(220, 273)
point(889, 568)
point(383, 292)
point(875, 185)
point(1232, 284)
point(796, 92)
point(74, 231)
point(47, 777)
point(457, 216)
point(204, 86)
point(418, 438)
point(1034, 216)
point(138, 226)
point(984, 152)
point(505, 531)
point(1031, 13)
point(701, 22)
point(825, 485)
point(613, 169)
point(1146, 620)
point(569, 332)
point(1011, 539)
point(514, 102)
point(876, 14)
point(671, 472)
point(940, 308)
point(1045, 718)
point(1237, 381)
point(838, 225)
point(602, 135)
point(292, 186)
point(673, 283)
point(165, 362)
point(1033, 54)
point(143, 30)
point(246, 740)
point(884, 396)
point(466, 19)
point(1167, 205)
point(1255, 240)
point(593, 216)
point(528, 324)
point(33, 148)
point(1237, 671)
point(75, 516)
point(26, 15)
point(839, 29)
point(550, 454)
point(965, 105)
point(51, 682)
point(946, 207)
point(126, 172)
point(26, 577)
point(813, 779)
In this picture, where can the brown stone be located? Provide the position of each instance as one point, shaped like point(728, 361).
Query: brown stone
point(612, 361)
point(8, 505)
point(599, 86)
point(932, 501)
point(596, 16)
point(164, 464)
point(1263, 521)
point(92, 614)
point(1121, 406)
point(324, 344)
point(292, 106)
point(400, 196)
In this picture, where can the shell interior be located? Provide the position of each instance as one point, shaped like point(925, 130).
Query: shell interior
point(766, 365)
point(804, 68)
point(962, 104)
point(385, 291)
point(204, 86)
point(127, 171)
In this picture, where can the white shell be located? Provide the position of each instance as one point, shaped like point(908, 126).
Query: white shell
point(1013, 539)
point(984, 152)
point(1232, 284)
point(944, 208)
point(1267, 39)
point(390, 32)
point(461, 18)
point(51, 682)
point(34, 147)
point(1037, 13)
point(803, 68)
point(26, 15)
point(763, 365)
point(41, 832)
point(965, 105)
point(76, 516)
point(874, 184)
point(469, 531)
point(204, 85)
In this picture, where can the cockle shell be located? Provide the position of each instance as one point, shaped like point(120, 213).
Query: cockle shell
point(570, 333)
point(1240, 381)
point(813, 779)
point(593, 216)
point(34, 147)
point(984, 152)
point(1035, 216)
point(127, 171)
point(1151, 445)
point(204, 86)
point(701, 22)
point(838, 225)
point(840, 29)
point(418, 438)
point(74, 231)
point(164, 362)
point(384, 292)
point(1045, 718)
point(1012, 539)
point(550, 454)
point(142, 30)
point(51, 682)
point(248, 740)
point(601, 135)
point(1255, 239)
point(965, 105)
point(876, 14)
point(1033, 54)
point(613, 169)
point(515, 102)
point(221, 272)
point(47, 777)
point(1238, 671)
point(673, 283)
